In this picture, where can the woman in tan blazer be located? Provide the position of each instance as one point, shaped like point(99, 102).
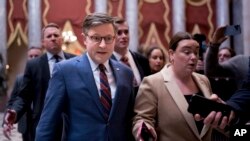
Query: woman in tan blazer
point(162, 99)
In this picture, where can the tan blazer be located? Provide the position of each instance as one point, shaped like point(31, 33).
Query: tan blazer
point(161, 105)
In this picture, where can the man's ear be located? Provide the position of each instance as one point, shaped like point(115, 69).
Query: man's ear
point(60, 39)
point(42, 47)
point(42, 43)
point(84, 38)
point(171, 53)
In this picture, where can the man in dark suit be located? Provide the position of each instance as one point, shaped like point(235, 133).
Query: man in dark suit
point(23, 124)
point(35, 82)
point(138, 63)
point(95, 92)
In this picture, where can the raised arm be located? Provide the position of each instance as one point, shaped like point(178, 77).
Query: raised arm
point(211, 60)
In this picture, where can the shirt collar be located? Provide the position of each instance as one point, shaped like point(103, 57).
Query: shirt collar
point(50, 55)
point(94, 66)
point(119, 56)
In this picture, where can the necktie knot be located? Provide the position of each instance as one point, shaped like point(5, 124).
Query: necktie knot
point(124, 59)
point(57, 58)
point(102, 67)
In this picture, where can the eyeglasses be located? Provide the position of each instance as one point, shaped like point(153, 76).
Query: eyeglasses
point(119, 32)
point(98, 39)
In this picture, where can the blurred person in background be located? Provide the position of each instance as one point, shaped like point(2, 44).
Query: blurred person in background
point(225, 53)
point(23, 124)
point(222, 69)
point(156, 59)
point(236, 66)
point(37, 74)
point(137, 62)
point(201, 39)
point(223, 83)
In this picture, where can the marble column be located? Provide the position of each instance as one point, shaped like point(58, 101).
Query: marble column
point(3, 27)
point(245, 26)
point(34, 23)
point(222, 17)
point(178, 15)
point(237, 11)
point(101, 6)
point(132, 19)
point(3, 54)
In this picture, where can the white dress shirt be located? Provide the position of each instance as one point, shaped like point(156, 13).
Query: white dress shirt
point(109, 73)
point(52, 60)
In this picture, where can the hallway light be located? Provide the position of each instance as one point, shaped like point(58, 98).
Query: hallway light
point(68, 37)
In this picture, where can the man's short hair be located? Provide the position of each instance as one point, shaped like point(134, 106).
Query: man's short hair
point(49, 25)
point(96, 19)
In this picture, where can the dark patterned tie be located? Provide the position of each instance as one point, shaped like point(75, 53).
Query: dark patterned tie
point(106, 99)
point(57, 58)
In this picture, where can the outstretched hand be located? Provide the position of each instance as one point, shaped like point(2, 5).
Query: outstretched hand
point(9, 120)
point(7, 130)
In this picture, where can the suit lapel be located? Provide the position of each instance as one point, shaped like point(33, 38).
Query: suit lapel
point(179, 99)
point(43, 61)
point(113, 57)
point(141, 71)
point(45, 67)
point(116, 72)
point(86, 74)
point(67, 55)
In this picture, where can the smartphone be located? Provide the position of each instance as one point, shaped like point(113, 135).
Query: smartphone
point(203, 106)
point(232, 30)
point(146, 135)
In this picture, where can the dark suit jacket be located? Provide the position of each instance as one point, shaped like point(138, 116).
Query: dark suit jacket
point(142, 65)
point(240, 102)
point(141, 62)
point(73, 86)
point(34, 87)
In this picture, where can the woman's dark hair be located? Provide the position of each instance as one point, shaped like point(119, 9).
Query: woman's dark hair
point(179, 36)
point(151, 49)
